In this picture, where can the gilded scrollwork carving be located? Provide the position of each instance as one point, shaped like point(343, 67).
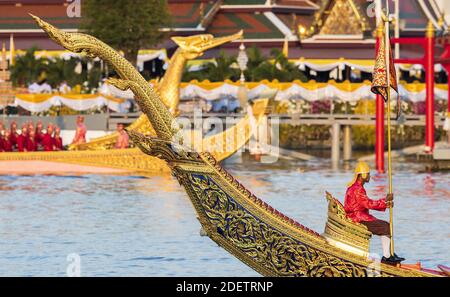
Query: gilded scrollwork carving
point(260, 241)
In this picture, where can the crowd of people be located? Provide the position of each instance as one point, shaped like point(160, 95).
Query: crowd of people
point(44, 88)
point(122, 141)
point(30, 138)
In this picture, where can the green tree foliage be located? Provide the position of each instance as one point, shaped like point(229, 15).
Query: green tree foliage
point(259, 67)
point(126, 25)
point(94, 76)
point(223, 68)
point(255, 60)
point(27, 68)
point(59, 70)
point(278, 67)
point(219, 70)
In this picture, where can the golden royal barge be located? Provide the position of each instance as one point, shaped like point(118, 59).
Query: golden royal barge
point(233, 217)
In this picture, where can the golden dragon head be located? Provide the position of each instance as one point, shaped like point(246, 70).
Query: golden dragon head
point(149, 100)
point(74, 42)
point(194, 46)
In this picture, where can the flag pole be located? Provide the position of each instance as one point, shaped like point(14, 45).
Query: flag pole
point(388, 95)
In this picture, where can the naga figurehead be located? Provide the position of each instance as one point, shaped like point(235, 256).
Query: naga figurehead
point(189, 47)
point(194, 46)
point(129, 78)
point(88, 45)
point(74, 42)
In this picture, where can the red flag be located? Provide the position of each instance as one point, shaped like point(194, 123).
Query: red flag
point(379, 78)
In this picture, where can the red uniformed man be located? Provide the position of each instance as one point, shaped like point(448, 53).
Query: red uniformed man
point(31, 142)
point(6, 142)
point(357, 205)
point(22, 139)
point(57, 140)
point(47, 139)
point(13, 134)
point(38, 134)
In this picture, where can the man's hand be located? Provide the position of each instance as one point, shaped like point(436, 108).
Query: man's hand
point(389, 200)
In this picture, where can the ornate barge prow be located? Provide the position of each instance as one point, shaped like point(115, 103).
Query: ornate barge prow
point(247, 227)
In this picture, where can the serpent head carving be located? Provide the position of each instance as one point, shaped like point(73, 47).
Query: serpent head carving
point(75, 42)
point(194, 46)
point(146, 97)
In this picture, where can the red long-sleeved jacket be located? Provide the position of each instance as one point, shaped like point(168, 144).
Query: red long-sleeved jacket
point(47, 142)
point(6, 145)
point(21, 143)
point(13, 138)
point(31, 145)
point(57, 142)
point(357, 204)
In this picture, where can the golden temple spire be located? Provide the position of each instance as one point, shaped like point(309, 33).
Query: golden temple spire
point(4, 65)
point(4, 73)
point(12, 51)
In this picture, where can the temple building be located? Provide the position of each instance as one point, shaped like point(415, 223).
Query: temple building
point(317, 33)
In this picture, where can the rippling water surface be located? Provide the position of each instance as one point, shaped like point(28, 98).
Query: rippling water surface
point(135, 226)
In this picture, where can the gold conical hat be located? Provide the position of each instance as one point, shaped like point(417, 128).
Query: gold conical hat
point(361, 168)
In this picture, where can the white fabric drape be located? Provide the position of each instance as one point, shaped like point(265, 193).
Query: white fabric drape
point(75, 104)
point(340, 65)
point(142, 58)
point(296, 91)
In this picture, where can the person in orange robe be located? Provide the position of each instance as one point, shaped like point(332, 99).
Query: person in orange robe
point(80, 133)
point(357, 205)
point(22, 139)
point(47, 139)
point(123, 140)
point(31, 142)
point(57, 140)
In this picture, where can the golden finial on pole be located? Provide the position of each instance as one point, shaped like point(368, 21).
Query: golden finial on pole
point(441, 21)
point(430, 30)
point(380, 30)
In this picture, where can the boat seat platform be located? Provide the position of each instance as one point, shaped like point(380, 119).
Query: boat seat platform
point(342, 232)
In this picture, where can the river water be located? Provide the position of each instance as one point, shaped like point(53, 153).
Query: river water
point(136, 226)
